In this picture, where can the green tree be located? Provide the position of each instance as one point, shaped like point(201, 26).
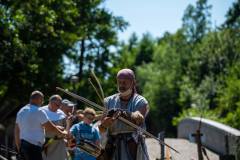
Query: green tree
point(145, 49)
point(97, 28)
point(196, 21)
point(233, 16)
point(160, 80)
point(210, 87)
point(35, 36)
point(134, 53)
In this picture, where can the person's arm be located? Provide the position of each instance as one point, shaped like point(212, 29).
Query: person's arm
point(139, 115)
point(50, 127)
point(71, 137)
point(69, 121)
point(97, 137)
point(108, 120)
point(17, 136)
point(144, 110)
point(73, 131)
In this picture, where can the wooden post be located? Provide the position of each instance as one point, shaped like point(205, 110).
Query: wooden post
point(161, 136)
point(199, 144)
point(198, 136)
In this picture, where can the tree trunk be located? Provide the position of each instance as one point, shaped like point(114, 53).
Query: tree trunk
point(81, 59)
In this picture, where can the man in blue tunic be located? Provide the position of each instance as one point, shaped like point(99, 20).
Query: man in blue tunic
point(124, 142)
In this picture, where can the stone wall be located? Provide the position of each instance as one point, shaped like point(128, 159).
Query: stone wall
point(217, 137)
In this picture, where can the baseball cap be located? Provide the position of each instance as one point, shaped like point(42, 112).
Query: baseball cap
point(68, 103)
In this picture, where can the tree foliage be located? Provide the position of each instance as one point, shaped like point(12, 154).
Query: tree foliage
point(233, 16)
point(34, 37)
point(192, 72)
point(196, 20)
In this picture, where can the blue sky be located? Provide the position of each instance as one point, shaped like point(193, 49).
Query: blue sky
point(158, 16)
point(155, 17)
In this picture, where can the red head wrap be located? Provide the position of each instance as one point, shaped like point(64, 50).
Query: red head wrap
point(126, 74)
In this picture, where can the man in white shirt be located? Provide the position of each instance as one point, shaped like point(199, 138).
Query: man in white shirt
point(55, 147)
point(29, 128)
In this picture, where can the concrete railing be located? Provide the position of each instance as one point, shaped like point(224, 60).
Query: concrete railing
point(220, 138)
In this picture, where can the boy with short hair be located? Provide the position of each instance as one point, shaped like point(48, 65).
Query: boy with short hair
point(85, 132)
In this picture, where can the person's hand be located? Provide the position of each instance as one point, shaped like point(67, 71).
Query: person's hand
point(107, 122)
point(116, 114)
point(137, 117)
point(64, 134)
point(69, 119)
point(71, 142)
point(80, 116)
point(60, 128)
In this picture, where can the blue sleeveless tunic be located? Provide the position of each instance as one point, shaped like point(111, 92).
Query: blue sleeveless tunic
point(122, 132)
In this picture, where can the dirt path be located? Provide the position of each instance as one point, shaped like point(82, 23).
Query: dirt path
point(188, 150)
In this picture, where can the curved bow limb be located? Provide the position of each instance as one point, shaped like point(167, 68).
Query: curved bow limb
point(93, 104)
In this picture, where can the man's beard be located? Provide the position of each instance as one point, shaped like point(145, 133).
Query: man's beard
point(124, 93)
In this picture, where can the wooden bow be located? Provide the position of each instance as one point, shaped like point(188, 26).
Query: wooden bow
point(92, 104)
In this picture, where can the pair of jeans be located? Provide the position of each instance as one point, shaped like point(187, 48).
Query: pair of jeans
point(30, 151)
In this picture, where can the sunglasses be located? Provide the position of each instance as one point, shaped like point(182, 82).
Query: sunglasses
point(58, 104)
point(89, 116)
